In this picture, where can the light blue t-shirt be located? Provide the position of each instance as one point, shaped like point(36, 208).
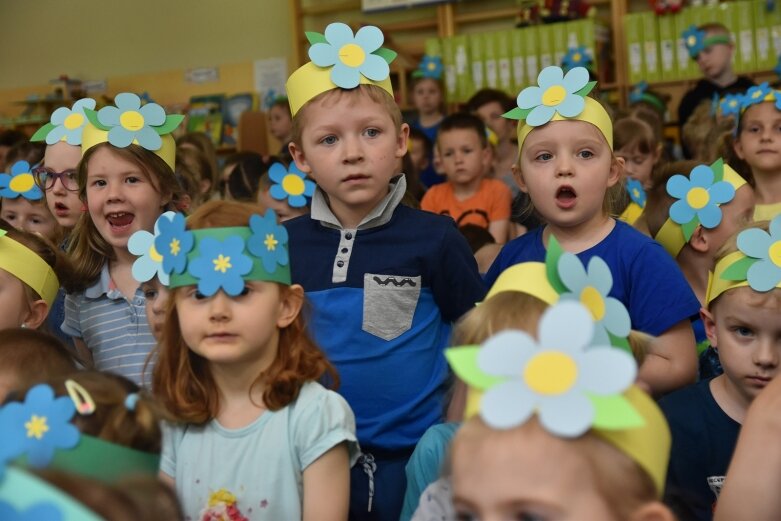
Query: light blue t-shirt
point(260, 465)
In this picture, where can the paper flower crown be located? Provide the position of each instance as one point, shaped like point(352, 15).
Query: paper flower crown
point(698, 199)
point(20, 182)
point(559, 97)
point(756, 264)
point(27, 266)
point(429, 67)
point(65, 124)
point(570, 383)
point(637, 200)
point(212, 258)
point(576, 57)
point(697, 40)
point(130, 123)
point(341, 59)
point(640, 93)
point(759, 94)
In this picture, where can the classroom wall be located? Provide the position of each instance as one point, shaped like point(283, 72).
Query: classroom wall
point(137, 45)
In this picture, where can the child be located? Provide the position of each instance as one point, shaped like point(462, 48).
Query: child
point(280, 125)
point(489, 105)
point(57, 176)
point(427, 99)
point(567, 167)
point(538, 449)
point(385, 280)
point(28, 357)
point(758, 142)
point(126, 187)
point(236, 366)
point(468, 196)
point(286, 190)
point(21, 203)
point(711, 46)
point(636, 143)
point(201, 142)
point(741, 321)
point(241, 176)
point(194, 174)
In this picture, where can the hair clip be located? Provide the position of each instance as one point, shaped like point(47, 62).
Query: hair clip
point(130, 401)
point(82, 400)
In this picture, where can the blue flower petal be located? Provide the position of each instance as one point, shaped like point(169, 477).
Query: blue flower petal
point(617, 319)
point(507, 405)
point(763, 275)
point(109, 116)
point(540, 115)
point(710, 216)
point(277, 172)
point(567, 416)
point(550, 76)
point(59, 115)
point(678, 186)
point(572, 273)
point(571, 106)
point(775, 227)
point(338, 34)
point(55, 135)
point(277, 192)
point(309, 188)
point(323, 55)
point(153, 114)
point(127, 101)
point(599, 275)
point(529, 97)
point(344, 76)
point(754, 243)
point(375, 68)
point(297, 201)
point(120, 137)
point(721, 192)
point(681, 212)
point(148, 138)
point(370, 38)
point(575, 79)
point(701, 176)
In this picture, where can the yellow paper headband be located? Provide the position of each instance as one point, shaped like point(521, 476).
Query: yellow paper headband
point(26, 265)
point(527, 277)
point(341, 60)
point(716, 283)
point(593, 113)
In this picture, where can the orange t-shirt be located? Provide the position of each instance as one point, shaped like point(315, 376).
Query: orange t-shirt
point(491, 202)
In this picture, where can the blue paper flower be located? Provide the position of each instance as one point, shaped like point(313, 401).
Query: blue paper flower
point(291, 184)
point(556, 92)
point(636, 192)
point(39, 511)
point(350, 56)
point(20, 182)
point(694, 39)
point(592, 288)
point(637, 92)
point(755, 94)
point(523, 368)
point(698, 196)
point(69, 122)
point(576, 57)
point(174, 242)
point(268, 241)
point(269, 99)
point(149, 262)
point(764, 274)
point(37, 427)
point(130, 122)
point(430, 67)
point(221, 264)
point(731, 104)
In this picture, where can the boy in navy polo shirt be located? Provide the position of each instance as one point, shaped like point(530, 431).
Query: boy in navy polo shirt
point(385, 281)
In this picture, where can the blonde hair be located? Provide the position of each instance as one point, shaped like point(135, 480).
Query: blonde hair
point(505, 310)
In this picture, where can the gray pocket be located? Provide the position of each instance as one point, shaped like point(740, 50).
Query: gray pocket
point(389, 303)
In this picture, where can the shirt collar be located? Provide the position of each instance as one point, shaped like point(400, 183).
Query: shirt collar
point(103, 286)
point(380, 215)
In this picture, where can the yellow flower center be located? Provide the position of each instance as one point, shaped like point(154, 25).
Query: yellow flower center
point(293, 184)
point(691, 41)
point(756, 94)
point(154, 255)
point(36, 427)
point(132, 120)
point(74, 120)
point(697, 197)
point(733, 103)
point(222, 263)
point(592, 299)
point(21, 183)
point(636, 193)
point(576, 57)
point(175, 246)
point(221, 496)
point(553, 95)
point(774, 252)
point(432, 66)
point(352, 55)
point(270, 242)
point(550, 373)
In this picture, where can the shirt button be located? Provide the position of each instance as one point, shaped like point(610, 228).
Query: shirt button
point(340, 264)
point(132, 318)
point(348, 235)
point(345, 250)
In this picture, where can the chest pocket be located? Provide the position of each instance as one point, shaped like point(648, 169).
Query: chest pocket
point(389, 303)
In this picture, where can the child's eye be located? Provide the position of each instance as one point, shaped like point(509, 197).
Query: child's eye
point(150, 294)
point(36, 220)
point(9, 217)
point(198, 295)
point(742, 331)
point(372, 132)
point(245, 291)
point(545, 156)
point(132, 180)
point(586, 154)
point(98, 182)
point(328, 140)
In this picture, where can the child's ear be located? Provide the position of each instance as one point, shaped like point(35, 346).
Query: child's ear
point(401, 142)
point(290, 303)
point(710, 326)
point(518, 176)
point(297, 153)
point(654, 511)
point(37, 314)
point(616, 170)
point(658, 153)
point(738, 147)
point(699, 240)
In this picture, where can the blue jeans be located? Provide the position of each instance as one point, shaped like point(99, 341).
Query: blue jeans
point(377, 485)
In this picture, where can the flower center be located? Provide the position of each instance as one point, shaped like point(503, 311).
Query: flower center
point(431, 66)
point(757, 94)
point(691, 41)
point(636, 193)
point(132, 120)
point(697, 197)
point(774, 252)
point(293, 185)
point(36, 427)
point(550, 373)
point(222, 263)
point(154, 255)
point(352, 55)
point(21, 183)
point(553, 95)
point(270, 242)
point(592, 299)
point(74, 120)
point(576, 57)
point(175, 246)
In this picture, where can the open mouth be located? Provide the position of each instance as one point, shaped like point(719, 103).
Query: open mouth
point(120, 221)
point(566, 196)
point(61, 209)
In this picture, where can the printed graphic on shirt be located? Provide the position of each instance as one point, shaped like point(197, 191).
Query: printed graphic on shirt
point(389, 303)
point(222, 507)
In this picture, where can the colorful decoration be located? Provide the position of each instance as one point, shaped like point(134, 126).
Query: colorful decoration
point(636, 192)
point(268, 241)
point(26, 265)
point(760, 266)
point(173, 243)
point(222, 506)
point(37, 512)
point(757, 94)
point(731, 105)
point(576, 57)
point(570, 384)
point(555, 93)
point(699, 197)
point(429, 67)
point(20, 181)
point(222, 265)
point(82, 399)
point(697, 40)
point(149, 262)
point(290, 184)
point(65, 124)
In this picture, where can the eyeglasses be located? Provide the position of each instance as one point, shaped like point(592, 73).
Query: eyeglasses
point(45, 179)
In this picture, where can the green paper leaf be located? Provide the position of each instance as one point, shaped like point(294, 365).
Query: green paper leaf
point(386, 54)
point(620, 342)
point(517, 113)
point(738, 270)
point(703, 346)
point(463, 360)
point(42, 132)
point(92, 116)
point(171, 122)
point(689, 227)
point(315, 37)
point(718, 170)
point(552, 256)
point(588, 88)
point(614, 412)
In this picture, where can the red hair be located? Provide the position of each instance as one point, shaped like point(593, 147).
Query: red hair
point(182, 379)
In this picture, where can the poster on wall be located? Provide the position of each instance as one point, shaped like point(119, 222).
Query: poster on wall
point(270, 78)
point(368, 6)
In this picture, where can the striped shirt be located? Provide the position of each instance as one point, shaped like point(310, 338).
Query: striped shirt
point(113, 328)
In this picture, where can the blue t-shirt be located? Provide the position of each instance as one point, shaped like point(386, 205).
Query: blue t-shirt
point(429, 177)
point(704, 439)
point(645, 278)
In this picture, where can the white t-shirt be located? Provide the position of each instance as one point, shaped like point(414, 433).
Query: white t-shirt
point(257, 469)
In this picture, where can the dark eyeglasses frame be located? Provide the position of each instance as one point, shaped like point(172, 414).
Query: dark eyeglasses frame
point(46, 179)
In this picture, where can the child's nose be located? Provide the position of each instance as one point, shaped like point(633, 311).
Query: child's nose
point(219, 307)
point(767, 353)
point(353, 151)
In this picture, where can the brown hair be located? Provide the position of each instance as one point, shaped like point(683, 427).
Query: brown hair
point(28, 357)
point(714, 27)
point(331, 97)
point(182, 379)
point(701, 133)
point(634, 134)
point(202, 143)
point(192, 168)
point(26, 151)
point(89, 251)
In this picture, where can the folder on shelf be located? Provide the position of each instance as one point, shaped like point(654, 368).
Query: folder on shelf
point(633, 28)
point(490, 60)
point(651, 65)
point(449, 64)
point(504, 57)
point(558, 33)
point(667, 47)
point(687, 68)
point(463, 73)
point(530, 42)
point(741, 16)
point(476, 62)
point(774, 22)
point(545, 49)
point(763, 45)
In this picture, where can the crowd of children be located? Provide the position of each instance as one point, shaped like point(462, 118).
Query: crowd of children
point(271, 337)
